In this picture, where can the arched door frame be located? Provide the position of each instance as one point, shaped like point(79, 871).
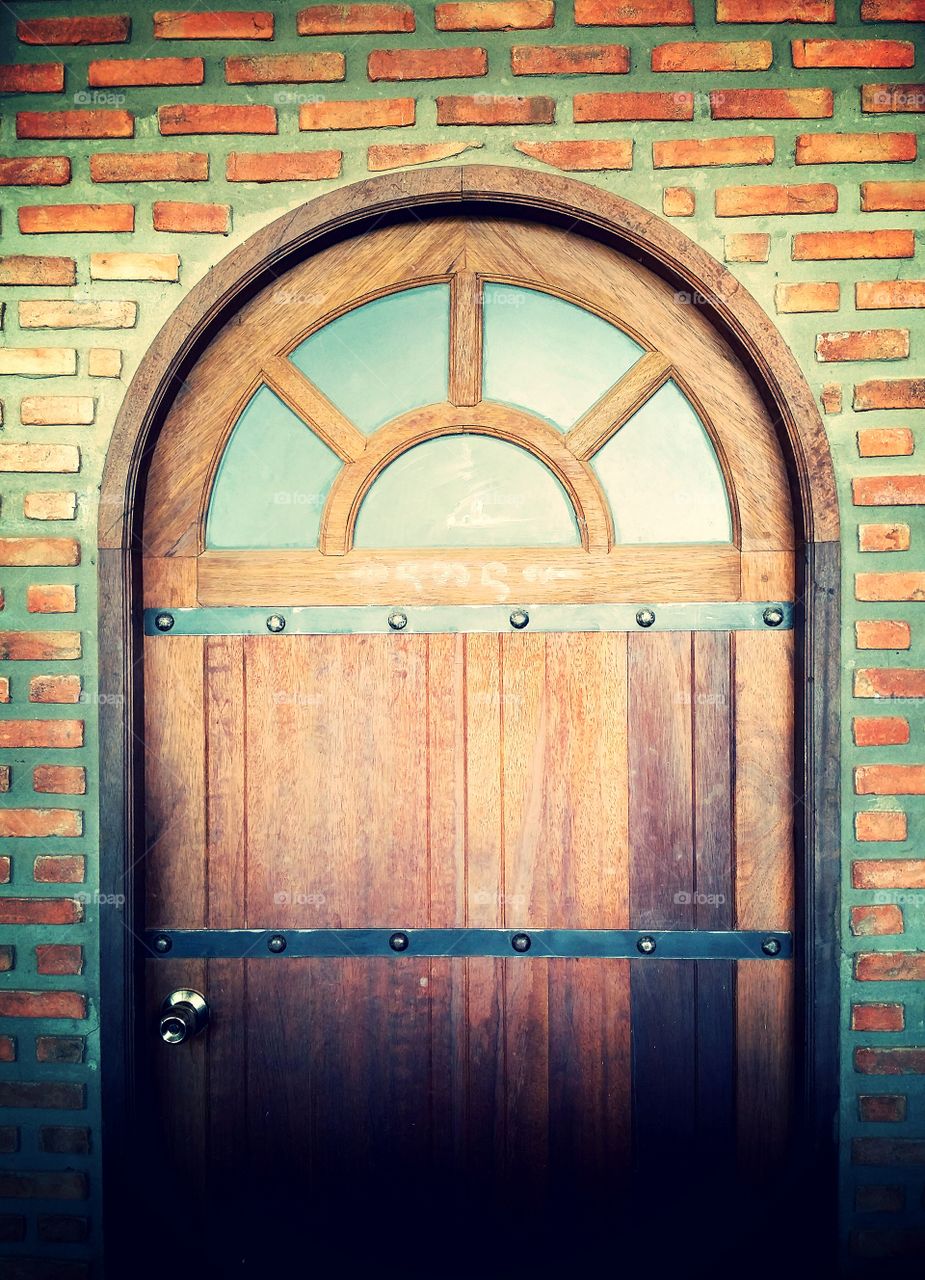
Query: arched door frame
point(211, 303)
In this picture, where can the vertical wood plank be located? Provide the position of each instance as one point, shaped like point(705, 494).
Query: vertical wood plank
point(466, 339)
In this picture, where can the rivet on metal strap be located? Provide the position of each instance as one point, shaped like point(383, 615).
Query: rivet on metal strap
point(164, 621)
point(773, 617)
point(646, 945)
point(519, 619)
point(162, 944)
point(398, 620)
point(276, 622)
point(276, 943)
point(645, 617)
point(399, 942)
point(771, 946)
point(521, 942)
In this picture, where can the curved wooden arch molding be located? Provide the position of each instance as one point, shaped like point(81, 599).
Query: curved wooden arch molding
point(587, 209)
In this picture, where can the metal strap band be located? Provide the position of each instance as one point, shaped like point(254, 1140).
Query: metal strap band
point(439, 619)
point(635, 944)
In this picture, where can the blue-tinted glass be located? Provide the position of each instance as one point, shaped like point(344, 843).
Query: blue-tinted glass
point(549, 356)
point(662, 477)
point(466, 491)
point(272, 480)
point(385, 357)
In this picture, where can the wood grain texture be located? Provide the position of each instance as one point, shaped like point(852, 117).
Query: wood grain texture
point(466, 339)
point(616, 406)
point(315, 409)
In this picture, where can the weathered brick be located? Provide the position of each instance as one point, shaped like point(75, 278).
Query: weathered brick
point(66, 314)
point(39, 551)
point(286, 68)
point(890, 393)
point(39, 646)
point(62, 1049)
point(888, 491)
point(878, 825)
point(831, 398)
point(40, 823)
point(60, 779)
point(214, 25)
point(893, 966)
point(41, 911)
point(426, 64)
point(876, 921)
point(852, 53)
point(885, 442)
point(570, 60)
point(62, 1228)
point(498, 15)
point(124, 72)
point(807, 296)
point(893, 10)
point(872, 295)
point(354, 19)
point(64, 1140)
point(890, 780)
point(52, 411)
point(67, 868)
point(752, 246)
point(878, 1017)
point(882, 1108)
point(593, 107)
point(61, 218)
point(21, 268)
point(855, 148)
point(634, 13)
point(36, 362)
point(775, 10)
point(5, 774)
point(830, 245)
point(54, 598)
point(188, 118)
point(889, 682)
point(167, 166)
point(401, 154)
point(44, 1004)
point(104, 362)
point(877, 99)
point(111, 29)
point(34, 171)
point(32, 77)
point(98, 123)
point(57, 1184)
point(375, 113)
point(741, 55)
point(7, 958)
point(135, 266)
point(689, 153)
point(491, 109)
point(179, 215)
point(884, 537)
point(744, 202)
point(57, 689)
point(771, 104)
point(41, 733)
point(59, 958)
point(863, 344)
point(678, 202)
point(879, 1199)
point(585, 155)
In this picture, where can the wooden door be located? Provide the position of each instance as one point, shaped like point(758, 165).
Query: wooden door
point(471, 813)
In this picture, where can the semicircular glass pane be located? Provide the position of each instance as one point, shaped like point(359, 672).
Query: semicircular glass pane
point(466, 491)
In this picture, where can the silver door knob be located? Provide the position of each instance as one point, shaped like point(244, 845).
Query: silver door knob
point(183, 1015)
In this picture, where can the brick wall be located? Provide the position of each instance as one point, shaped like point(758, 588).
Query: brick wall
point(137, 146)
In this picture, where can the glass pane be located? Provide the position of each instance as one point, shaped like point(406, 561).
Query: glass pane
point(384, 358)
point(662, 477)
point(272, 481)
point(466, 491)
point(549, 356)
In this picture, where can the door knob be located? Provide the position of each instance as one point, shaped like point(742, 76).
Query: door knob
point(183, 1015)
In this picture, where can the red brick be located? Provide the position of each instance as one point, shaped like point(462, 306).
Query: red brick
point(23, 269)
point(743, 55)
point(32, 77)
point(54, 689)
point(188, 118)
point(863, 344)
point(892, 393)
point(830, 245)
point(877, 99)
point(592, 107)
point(299, 166)
point(8, 1054)
point(41, 733)
point(877, 826)
point(375, 113)
point(884, 537)
point(68, 1049)
point(855, 148)
point(775, 10)
point(285, 68)
point(754, 246)
point(678, 202)
point(898, 1061)
point(40, 823)
point(166, 166)
point(852, 53)
point(585, 156)
point(831, 398)
point(880, 731)
point(35, 170)
point(890, 780)
point(889, 682)
point(42, 1004)
point(177, 215)
point(491, 109)
point(4, 775)
point(878, 1017)
point(402, 154)
point(744, 202)
point(888, 491)
point(64, 1140)
point(634, 13)
point(7, 958)
point(56, 1095)
point(209, 25)
point(892, 966)
point(38, 646)
point(885, 442)
point(112, 29)
point(40, 911)
point(59, 779)
point(771, 104)
point(871, 295)
point(875, 921)
point(893, 10)
point(807, 296)
point(118, 72)
point(354, 19)
point(56, 598)
point(75, 124)
point(570, 60)
point(68, 868)
point(882, 1108)
point(686, 153)
point(879, 1199)
point(39, 551)
point(426, 64)
point(497, 15)
point(59, 959)
point(60, 218)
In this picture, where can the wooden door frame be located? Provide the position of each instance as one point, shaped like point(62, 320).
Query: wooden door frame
point(586, 210)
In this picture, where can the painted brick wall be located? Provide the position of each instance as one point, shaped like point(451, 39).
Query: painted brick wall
point(137, 146)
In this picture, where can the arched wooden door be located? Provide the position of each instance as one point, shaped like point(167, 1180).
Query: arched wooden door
point(468, 678)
